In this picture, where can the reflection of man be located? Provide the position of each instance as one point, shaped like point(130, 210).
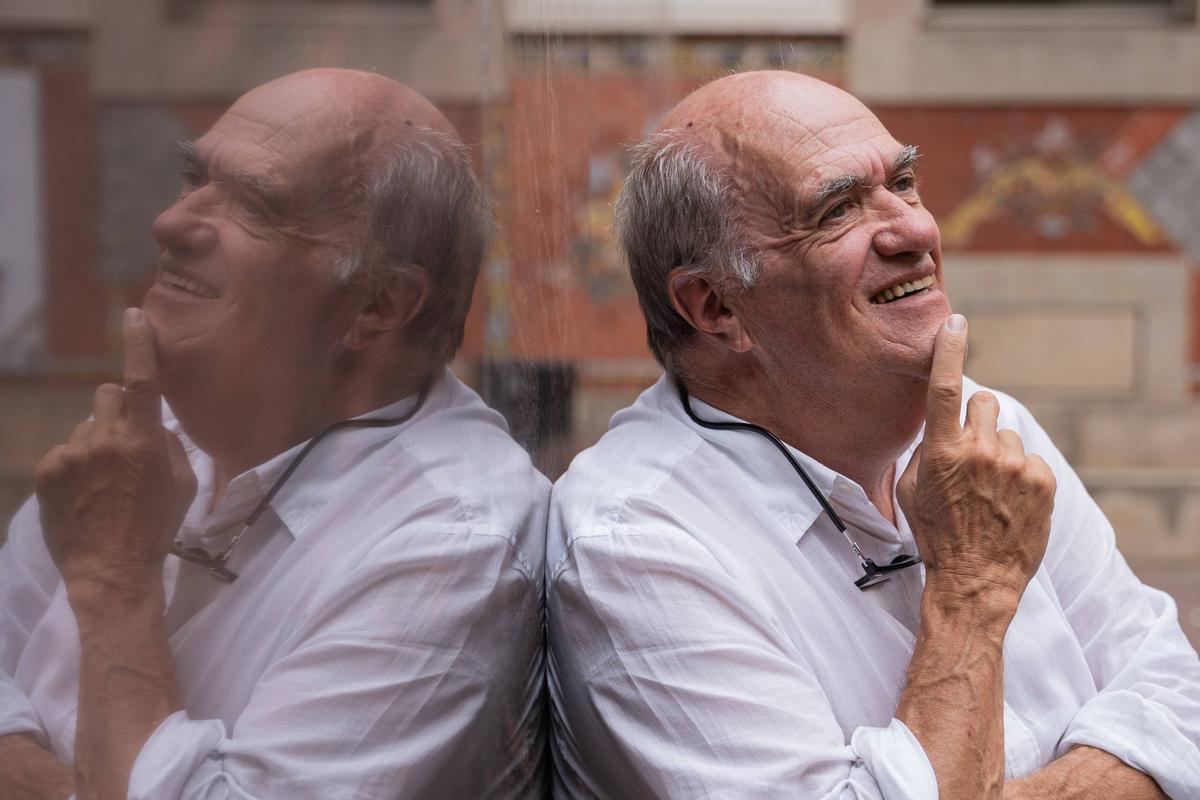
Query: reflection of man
point(707, 635)
point(375, 630)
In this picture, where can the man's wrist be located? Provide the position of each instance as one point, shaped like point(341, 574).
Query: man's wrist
point(978, 600)
point(99, 593)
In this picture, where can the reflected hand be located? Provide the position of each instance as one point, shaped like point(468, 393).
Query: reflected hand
point(978, 505)
point(113, 497)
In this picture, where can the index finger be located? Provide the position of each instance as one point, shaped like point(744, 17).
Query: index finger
point(944, 401)
point(143, 401)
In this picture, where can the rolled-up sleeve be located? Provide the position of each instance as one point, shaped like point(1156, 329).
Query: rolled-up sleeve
point(28, 580)
point(666, 682)
point(896, 763)
point(1146, 710)
point(182, 751)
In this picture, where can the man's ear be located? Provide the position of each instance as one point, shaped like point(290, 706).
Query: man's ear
point(699, 301)
point(386, 304)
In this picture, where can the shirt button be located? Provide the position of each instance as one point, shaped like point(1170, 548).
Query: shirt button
point(844, 487)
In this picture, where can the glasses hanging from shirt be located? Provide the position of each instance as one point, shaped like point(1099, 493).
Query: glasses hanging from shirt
point(217, 565)
point(873, 574)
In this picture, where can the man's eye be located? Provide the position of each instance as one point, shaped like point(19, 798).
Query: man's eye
point(193, 179)
point(836, 212)
point(904, 184)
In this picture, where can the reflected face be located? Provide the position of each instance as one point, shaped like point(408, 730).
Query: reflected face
point(852, 279)
point(245, 292)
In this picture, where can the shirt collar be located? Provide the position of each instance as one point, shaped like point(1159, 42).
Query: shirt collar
point(305, 492)
point(778, 485)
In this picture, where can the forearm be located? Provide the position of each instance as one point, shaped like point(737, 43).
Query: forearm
point(28, 772)
point(127, 685)
point(953, 701)
point(1085, 773)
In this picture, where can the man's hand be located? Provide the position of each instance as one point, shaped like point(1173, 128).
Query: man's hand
point(113, 497)
point(980, 510)
point(977, 504)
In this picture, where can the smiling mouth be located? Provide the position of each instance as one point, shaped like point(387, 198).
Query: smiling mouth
point(902, 289)
point(177, 281)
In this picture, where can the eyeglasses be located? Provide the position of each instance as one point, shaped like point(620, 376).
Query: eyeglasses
point(873, 574)
point(216, 565)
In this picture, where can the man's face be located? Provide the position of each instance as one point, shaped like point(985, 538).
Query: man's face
point(852, 280)
point(245, 298)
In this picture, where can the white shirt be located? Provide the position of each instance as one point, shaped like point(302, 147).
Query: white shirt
point(383, 639)
point(707, 639)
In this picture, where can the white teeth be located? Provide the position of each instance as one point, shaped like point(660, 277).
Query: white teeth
point(902, 288)
point(188, 285)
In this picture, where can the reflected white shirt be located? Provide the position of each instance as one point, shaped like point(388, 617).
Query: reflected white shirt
point(383, 638)
point(707, 639)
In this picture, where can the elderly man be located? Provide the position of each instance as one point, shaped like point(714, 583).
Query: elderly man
point(736, 606)
point(357, 609)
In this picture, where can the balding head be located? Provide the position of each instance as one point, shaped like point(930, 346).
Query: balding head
point(387, 168)
point(716, 185)
point(329, 219)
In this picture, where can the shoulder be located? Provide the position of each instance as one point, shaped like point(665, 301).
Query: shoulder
point(456, 472)
point(650, 477)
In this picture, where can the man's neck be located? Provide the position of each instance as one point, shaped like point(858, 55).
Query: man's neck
point(856, 428)
point(237, 442)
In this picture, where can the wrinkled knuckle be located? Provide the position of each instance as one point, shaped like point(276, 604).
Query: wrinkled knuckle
point(1041, 478)
point(1011, 439)
point(49, 468)
point(139, 384)
point(1014, 468)
point(71, 458)
point(943, 390)
point(981, 456)
point(137, 449)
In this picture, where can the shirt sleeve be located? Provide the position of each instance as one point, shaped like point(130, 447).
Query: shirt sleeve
point(420, 677)
point(28, 579)
point(1146, 710)
point(667, 682)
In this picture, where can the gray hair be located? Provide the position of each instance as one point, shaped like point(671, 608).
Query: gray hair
point(423, 206)
point(678, 209)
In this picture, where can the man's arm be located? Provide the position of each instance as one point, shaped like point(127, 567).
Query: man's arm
point(28, 581)
point(111, 501)
point(980, 510)
point(28, 772)
point(1085, 773)
point(1145, 714)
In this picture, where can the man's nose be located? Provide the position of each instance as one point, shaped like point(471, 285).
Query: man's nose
point(185, 225)
point(905, 229)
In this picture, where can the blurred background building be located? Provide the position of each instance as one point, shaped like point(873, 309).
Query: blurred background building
point(1061, 149)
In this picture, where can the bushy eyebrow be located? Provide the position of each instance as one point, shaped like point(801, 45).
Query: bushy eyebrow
point(257, 187)
point(906, 159)
point(844, 184)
